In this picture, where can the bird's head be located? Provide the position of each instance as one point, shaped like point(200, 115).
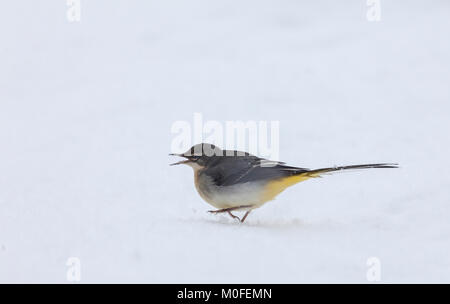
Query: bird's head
point(199, 156)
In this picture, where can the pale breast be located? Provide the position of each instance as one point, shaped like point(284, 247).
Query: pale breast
point(250, 193)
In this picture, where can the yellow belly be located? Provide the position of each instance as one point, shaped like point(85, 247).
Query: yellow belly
point(273, 188)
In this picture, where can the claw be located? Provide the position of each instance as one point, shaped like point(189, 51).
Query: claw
point(234, 216)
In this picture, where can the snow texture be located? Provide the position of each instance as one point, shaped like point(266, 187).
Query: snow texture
point(86, 110)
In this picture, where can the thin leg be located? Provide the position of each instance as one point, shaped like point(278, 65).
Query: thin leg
point(230, 209)
point(234, 216)
point(245, 216)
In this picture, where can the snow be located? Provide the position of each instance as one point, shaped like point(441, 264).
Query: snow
point(86, 111)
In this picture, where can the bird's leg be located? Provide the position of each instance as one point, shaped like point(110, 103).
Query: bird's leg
point(245, 216)
point(234, 216)
point(230, 209)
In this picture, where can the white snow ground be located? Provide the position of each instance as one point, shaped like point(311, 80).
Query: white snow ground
point(85, 116)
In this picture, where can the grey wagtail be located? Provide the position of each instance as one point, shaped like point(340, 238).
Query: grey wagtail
point(238, 181)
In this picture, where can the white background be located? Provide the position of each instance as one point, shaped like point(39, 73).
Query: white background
point(86, 111)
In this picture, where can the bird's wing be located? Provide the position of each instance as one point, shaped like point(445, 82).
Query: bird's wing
point(235, 170)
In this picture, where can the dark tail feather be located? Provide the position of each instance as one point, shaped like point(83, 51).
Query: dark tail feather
point(317, 172)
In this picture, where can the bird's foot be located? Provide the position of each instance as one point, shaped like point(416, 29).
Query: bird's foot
point(228, 210)
point(234, 216)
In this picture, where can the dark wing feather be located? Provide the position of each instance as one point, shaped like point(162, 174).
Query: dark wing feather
point(241, 169)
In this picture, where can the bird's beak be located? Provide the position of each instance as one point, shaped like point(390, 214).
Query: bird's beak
point(180, 162)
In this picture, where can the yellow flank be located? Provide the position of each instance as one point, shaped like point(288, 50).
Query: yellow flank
point(275, 187)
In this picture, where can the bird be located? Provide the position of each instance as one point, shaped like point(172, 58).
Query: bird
point(231, 180)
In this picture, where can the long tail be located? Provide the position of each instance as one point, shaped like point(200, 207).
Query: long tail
point(317, 172)
point(277, 186)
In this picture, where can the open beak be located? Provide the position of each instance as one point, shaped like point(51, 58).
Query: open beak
point(180, 162)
